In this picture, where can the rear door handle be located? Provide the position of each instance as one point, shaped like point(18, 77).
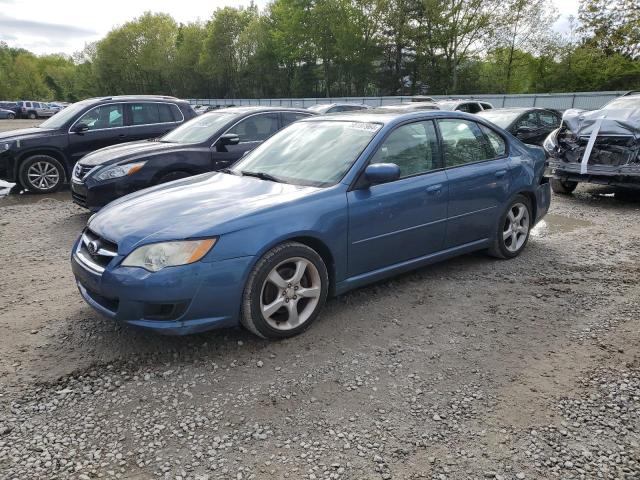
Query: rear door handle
point(122, 135)
point(501, 173)
point(434, 189)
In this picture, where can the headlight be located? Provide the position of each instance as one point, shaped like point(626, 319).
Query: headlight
point(156, 256)
point(4, 147)
point(119, 171)
point(550, 143)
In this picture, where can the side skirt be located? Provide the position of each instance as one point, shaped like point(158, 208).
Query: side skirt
point(408, 265)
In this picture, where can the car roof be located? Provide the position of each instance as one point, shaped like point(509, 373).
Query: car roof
point(389, 116)
point(516, 109)
point(257, 109)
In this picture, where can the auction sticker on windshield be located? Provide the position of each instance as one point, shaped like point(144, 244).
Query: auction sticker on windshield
point(367, 127)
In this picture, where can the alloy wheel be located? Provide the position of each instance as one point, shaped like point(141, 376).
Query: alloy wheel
point(516, 227)
point(290, 293)
point(43, 175)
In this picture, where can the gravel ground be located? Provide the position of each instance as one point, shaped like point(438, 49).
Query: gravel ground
point(472, 368)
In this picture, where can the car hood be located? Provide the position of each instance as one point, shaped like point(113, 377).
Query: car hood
point(26, 134)
point(614, 122)
point(205, 205)
point(128, 151)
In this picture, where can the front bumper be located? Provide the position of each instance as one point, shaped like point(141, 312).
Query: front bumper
point(174, 301)
point(95, 196)
point(624, 176)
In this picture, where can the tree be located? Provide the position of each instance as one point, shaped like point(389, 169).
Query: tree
point(612, 26)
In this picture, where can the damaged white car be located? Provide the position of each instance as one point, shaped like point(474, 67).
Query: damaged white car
point(599, 146)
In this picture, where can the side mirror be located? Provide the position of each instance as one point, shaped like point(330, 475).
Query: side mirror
point(382, 173)
point(229, 139)
point(80, 127)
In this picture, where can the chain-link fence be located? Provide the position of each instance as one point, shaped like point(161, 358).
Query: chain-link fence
point(559, 101)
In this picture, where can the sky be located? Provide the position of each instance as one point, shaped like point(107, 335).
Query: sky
point(54, 26)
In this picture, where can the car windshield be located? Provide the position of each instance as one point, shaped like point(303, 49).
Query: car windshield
point(63, 116)
point(312, 153)
point(623, 102)
point(501, 119)
point(447, 105)
point(199, 129)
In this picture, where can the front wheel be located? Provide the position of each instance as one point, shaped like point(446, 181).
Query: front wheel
point(11, 116)
point(285, 291)
point(563, 187)
point(42, 174)
point(513, 229)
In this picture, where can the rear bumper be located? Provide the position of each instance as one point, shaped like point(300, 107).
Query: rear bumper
point(174, 301)
point(543, 199)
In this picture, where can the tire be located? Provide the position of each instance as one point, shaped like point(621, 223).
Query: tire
point(563, 188)
point(11, 116)
point(42, 174)
point(513, 230)
point(32, 115)
point(171, 176)
point(261, 291)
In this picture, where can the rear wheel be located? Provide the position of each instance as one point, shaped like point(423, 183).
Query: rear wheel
point(11, 116)
point(42, 174)
point(32, 115)
point(285, 291)
point(563, 187)
point(513, 229)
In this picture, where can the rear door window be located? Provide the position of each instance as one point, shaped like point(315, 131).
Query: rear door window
point(463, 142)
point(144, 113)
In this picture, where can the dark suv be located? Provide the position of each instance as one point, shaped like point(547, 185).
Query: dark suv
point(41, 159)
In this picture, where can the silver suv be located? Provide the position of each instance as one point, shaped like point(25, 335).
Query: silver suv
point(33, 110)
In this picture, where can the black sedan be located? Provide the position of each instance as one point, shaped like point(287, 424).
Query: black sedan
point(531, 125)
point(212, 141)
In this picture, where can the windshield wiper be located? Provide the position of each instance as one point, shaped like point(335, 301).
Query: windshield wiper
point(229, 171)
point(262, 176)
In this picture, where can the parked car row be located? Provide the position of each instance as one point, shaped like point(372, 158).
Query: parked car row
point(29, 109)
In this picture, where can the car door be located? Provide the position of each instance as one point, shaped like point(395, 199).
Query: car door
point(252, 131)
point(393, 222)
point(477, 171)
point(104, 128)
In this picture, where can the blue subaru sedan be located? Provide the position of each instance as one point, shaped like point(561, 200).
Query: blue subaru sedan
point(326, 205)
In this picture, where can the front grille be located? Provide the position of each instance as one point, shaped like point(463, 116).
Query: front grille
point(95, 252)
point(80, 171)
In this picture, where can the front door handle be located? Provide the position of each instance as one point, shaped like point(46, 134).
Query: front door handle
point(122, 135)
point(434, 189)
point(501, 173)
